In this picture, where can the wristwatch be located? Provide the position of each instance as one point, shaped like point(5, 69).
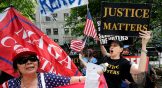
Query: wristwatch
point(144, 50)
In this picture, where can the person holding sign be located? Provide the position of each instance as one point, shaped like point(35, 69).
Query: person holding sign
point(119, 67)
point(25, 63)
point(129, 82)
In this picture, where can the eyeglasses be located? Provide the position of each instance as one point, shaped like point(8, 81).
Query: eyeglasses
point(24, 60)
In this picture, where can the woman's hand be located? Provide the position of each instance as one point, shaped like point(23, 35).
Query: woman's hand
point(100, 72)
point(156, 76)
point(97, 39)
point(80, 56)
point(145, 35)
point(82, 78)
point(82, 61)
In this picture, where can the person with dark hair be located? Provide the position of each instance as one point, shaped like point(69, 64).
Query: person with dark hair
point(119, 67)
point(126, 50)
point(129, 82)
point(88, 58)
point(25, 63)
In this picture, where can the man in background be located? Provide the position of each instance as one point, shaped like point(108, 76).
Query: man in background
point(126, 50)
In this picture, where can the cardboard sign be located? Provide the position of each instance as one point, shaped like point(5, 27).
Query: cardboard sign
point(104, 38)
point(125, 19)
point(76, 61)
point(136, 60)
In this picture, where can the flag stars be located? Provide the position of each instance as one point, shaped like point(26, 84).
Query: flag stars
point(51, 80)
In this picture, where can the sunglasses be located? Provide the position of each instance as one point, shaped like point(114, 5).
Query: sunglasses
point(24, 60)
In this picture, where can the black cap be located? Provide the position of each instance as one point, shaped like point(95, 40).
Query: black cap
point(116, 41)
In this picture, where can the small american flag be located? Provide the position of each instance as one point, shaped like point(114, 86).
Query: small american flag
point(77, 45)
point(89, 28)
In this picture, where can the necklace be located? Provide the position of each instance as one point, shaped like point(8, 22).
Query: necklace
point(28, 82)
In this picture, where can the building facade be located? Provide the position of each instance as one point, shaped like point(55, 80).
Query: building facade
point(53, 27)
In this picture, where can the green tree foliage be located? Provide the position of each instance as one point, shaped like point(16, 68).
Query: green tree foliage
point(78, 16)
point(24, 7)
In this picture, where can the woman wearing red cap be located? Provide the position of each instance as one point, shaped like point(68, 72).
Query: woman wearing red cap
point(118, 67)
point(26, 64)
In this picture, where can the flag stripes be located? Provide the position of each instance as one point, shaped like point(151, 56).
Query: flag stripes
point(89, 28)
point(77, 45)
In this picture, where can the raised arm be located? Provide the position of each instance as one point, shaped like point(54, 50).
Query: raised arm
point(103, 50)
point(135, 69)
point(82, 61)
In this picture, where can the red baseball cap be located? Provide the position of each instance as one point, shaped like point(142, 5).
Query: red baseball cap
point(22, 51)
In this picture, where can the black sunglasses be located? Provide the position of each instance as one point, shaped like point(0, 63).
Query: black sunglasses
point(24, 60)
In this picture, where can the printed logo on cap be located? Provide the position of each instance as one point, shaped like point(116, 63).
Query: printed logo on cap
point(22, 50)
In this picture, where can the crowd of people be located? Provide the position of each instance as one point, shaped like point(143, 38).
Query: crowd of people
point(119, 70)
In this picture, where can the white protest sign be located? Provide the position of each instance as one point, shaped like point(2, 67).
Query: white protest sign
point(50, 6)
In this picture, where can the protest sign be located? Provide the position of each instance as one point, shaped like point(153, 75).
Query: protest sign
point(50, 6)
point(76, 61)
point(136, 60)
point(125, 19)
point(105, 38)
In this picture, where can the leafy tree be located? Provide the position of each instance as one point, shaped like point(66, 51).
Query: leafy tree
point(24, 7)
point(78, 16)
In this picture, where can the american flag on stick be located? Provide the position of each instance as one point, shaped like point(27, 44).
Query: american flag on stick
point(77, 45)
point(89, 28)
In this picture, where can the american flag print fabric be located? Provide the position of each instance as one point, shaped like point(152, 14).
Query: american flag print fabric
point(89, 28)
point(45, 80)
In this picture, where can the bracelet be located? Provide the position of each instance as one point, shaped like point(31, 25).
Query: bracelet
point(144, 50)
point(79, 79)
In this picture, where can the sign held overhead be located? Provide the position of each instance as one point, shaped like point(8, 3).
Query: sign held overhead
point(125, 19)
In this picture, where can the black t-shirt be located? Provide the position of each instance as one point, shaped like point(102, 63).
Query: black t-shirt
point(117, 71)
point(129, 76)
